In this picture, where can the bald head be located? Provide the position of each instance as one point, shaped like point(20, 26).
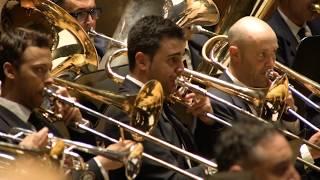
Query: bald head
point(248, 28)
point(253, 46)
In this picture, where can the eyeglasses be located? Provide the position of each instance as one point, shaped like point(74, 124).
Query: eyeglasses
point(82, 15)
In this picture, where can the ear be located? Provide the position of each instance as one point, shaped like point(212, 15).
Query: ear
point(9, 70)
point(234, 52)
point(235, 168)
point(142, 61)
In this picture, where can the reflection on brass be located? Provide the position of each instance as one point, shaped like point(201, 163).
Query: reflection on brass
point(215, 50)
point(143, 108)
point(57, 20)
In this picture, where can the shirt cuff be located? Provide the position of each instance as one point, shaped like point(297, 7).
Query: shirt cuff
point(102, 170)
point(305, 154)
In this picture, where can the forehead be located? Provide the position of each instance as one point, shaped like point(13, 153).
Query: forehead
point(172, 45)
point(37, 55)
point(73, 5)
point(266, 41)
point(273, 149)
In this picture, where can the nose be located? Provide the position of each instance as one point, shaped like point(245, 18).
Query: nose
point(180, 68)
point(270, 62)
point(90, 20)
point(49, 80)
point(293, 174)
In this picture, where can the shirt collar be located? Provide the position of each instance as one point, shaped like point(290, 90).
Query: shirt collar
point(19, 110)
point(293, 27)
point(134, 80)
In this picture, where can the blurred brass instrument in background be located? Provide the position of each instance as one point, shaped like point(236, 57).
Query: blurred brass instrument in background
point(72, 50)
point(61, 151)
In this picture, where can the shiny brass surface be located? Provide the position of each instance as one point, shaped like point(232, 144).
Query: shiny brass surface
point(78, 58)
point(198, 12)
point(275, 100)
point(185, 13)
point(311, 85)
point(254, 96)
point(143, 108)
point(216, 48)
point(316, 7)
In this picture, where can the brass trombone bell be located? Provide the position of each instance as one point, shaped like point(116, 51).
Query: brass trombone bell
point(316, 7)
point(143, 108)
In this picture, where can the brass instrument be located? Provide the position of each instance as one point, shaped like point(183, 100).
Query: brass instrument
point(238, 9)
point(272, 95)
point(72, 50)
point(59, 147)
point(316, 7)
point(185, 13)
point(140, 133)
point(144, 108)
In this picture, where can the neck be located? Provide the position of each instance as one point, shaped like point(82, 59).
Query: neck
point(139, 76)
point(298, 20)
point(10, 94)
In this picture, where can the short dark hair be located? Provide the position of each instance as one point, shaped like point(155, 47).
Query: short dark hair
point(13, 44)
point(237, 144)
point(146, 34)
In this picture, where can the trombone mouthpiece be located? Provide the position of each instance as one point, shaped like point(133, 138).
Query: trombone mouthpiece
point(271, 74)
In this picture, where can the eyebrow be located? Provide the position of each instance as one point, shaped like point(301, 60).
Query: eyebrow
point(175, 54)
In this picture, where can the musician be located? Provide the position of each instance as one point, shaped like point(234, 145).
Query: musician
point(155, 50)
point(252, 50)
point(257, 148)
point(25, 70)
point(292, 21)
point(86, 13)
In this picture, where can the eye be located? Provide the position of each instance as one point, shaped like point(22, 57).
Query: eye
point(40, 70)
point(175, 60)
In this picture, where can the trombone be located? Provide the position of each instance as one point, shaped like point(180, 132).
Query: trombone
point(59, 147)
point(212, 52)
point(147, 90)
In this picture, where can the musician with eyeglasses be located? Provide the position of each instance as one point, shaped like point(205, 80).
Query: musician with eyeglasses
point(25, 60)
point(87, 14)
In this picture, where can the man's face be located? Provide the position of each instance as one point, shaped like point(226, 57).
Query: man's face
point(275, 160)
point(167, 63)
point(80, 7)
point(32, 76)
point(256, 57)
point(301, 9)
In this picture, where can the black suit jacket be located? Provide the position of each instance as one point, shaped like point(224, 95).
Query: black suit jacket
point(206, 136)
point(168, 129)
point(286, 40)
point(8, 120)
point(195, 46)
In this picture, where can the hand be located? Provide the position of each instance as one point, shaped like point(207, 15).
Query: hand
point(108, 164)
point(315, 139)
point(290, 102)
point(199, 105)
point(69, 113)
point(36, 140)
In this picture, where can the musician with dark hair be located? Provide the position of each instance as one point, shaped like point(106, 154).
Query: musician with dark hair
point(25, 60)
point(155, 50)
point(86, 13)
point(258, 148)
